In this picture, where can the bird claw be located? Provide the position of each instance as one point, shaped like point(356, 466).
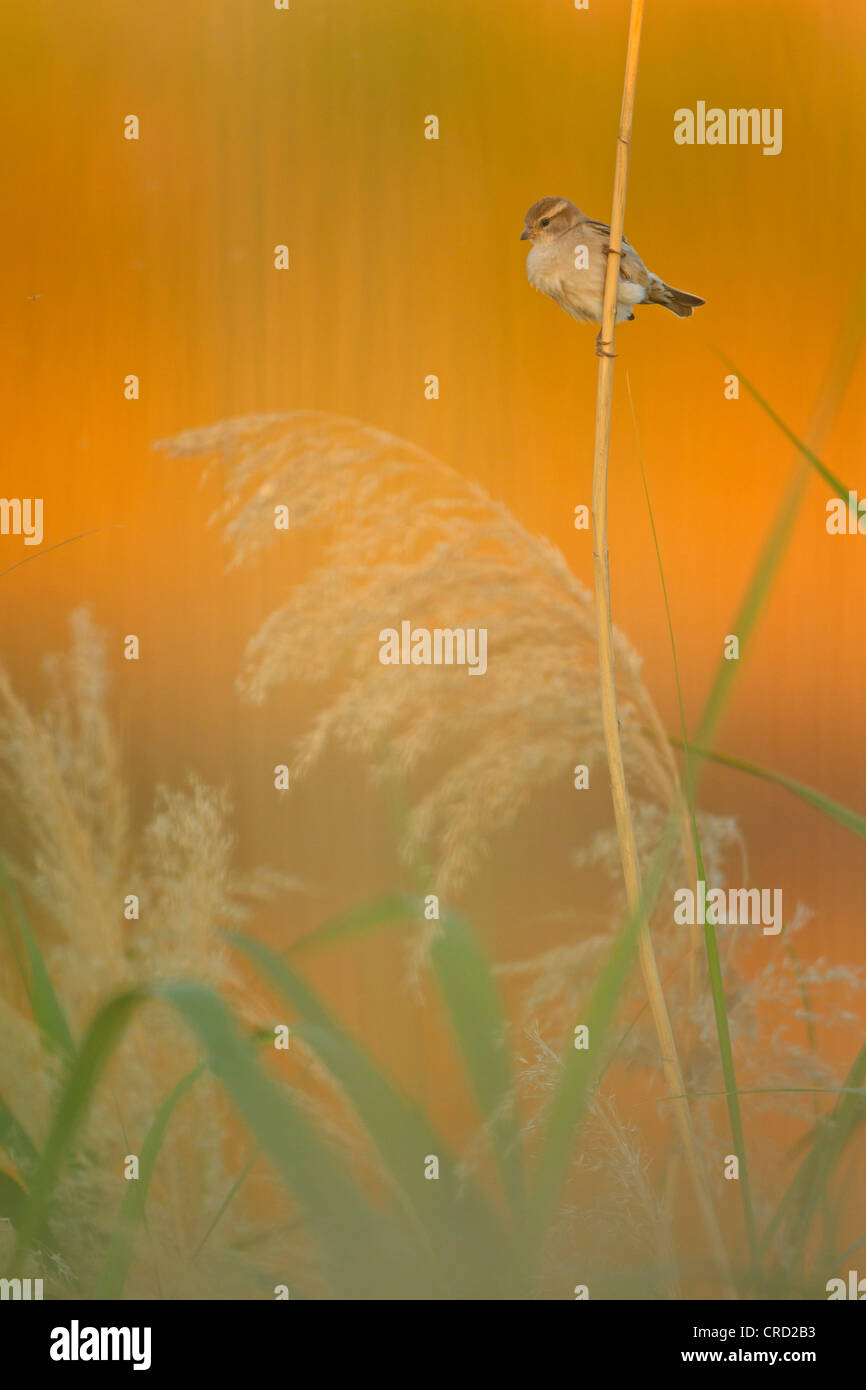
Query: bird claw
point(600, 349)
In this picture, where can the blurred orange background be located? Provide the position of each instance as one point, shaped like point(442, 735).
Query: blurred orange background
point(306, 127)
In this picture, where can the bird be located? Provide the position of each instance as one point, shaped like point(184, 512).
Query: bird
point(568, 261)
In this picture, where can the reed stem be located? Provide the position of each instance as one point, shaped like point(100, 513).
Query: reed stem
point(601, 565)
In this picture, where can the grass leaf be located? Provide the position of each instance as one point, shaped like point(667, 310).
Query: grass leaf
point(116, 1267)
point(851, 820)
point(467, 1242)
point(473, 1001)
point(831, 1135)
point(47, 1010)
point(364, 1254)
point(714, 965)
point(808, 454)
point(379, 912)
point(13, 1199)
point(579, 1069)
point(83, 1075)
point(15, 1140)
point(226, 1203)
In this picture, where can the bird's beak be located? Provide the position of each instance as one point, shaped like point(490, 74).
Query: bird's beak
point(525, 234)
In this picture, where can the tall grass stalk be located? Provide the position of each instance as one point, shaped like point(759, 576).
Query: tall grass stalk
point(717, 987)
point(601, 565)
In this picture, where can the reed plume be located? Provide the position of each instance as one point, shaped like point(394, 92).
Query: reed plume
point(402, 535)
point(72, 852)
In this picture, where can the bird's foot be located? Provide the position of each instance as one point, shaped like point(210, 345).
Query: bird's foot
point(601, 346)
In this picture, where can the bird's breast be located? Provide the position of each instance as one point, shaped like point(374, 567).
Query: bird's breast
point(541, 270)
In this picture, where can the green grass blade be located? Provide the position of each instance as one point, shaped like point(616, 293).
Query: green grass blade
point(475, 1007)
point(75, 1097)
point(808, 454)
point(226, 1203)
point(379, 912)
point(467, 1241)
point(13, 1199)
point(16, 1141)
point(842, 1259)
point(120, 1251)
point(845, 355)
point(486, 1059)
point(831, 1135)
point(851, 820)
point(364, 1254)
point(774, 1091)
point(580, 1067)
point(47, 1010)
point(714, 965)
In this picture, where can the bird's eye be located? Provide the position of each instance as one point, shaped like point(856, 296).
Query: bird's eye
point(545, 221)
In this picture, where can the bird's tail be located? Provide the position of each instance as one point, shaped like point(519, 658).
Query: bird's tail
point(676, 300)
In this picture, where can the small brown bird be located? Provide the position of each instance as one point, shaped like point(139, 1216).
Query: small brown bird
point(568, 260)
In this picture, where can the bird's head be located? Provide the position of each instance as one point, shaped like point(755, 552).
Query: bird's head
point(549, 218)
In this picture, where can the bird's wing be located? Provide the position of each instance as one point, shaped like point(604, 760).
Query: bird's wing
point(631, 267)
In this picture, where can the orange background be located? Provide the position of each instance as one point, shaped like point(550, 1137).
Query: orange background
point(306, 127)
